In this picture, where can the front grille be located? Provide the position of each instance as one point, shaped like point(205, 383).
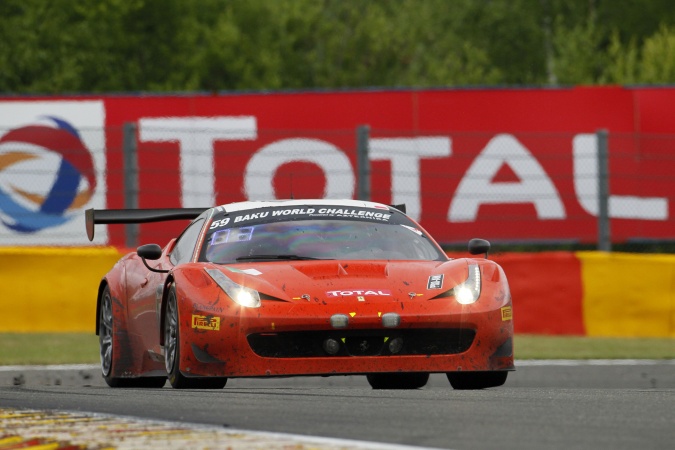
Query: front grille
point(308, 344)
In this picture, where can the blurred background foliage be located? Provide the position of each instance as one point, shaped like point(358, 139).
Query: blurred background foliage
point(70, 46)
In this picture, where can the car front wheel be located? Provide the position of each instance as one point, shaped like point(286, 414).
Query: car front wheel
point(172, 352)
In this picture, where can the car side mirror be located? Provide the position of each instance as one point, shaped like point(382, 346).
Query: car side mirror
point(152, 252)
point(478, 246)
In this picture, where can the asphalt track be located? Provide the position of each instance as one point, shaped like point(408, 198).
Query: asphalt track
point(562, 404)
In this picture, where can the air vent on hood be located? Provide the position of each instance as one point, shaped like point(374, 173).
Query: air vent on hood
point(334, 269)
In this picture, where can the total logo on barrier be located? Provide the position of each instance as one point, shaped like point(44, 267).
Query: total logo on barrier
point(46, 173)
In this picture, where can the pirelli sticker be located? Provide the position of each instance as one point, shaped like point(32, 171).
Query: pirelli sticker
point(205, 322)
point(507, 313)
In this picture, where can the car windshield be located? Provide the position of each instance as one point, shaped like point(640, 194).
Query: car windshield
point(322, 239)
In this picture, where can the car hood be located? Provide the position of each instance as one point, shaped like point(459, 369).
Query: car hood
point(347, 281)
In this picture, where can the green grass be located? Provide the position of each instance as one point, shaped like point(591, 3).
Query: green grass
point(48, 348)
point(79, 348)
point(568, 347)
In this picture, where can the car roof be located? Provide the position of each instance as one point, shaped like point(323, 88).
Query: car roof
point(243, 206)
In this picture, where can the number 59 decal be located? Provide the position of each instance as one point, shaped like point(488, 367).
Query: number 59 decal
point(219, 223)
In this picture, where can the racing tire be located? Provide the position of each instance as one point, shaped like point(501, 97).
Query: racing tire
point(476, 380)
point(107, 350)
point(411, 380)
point(172, 352)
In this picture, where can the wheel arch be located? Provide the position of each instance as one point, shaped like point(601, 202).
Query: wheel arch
point(116, 281)
point(124, 362)
point(170, 280)
point(101, 287)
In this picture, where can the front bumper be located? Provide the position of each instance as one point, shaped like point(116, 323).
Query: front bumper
point(283, 339)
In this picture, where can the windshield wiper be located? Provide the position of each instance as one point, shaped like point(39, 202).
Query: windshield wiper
point(276, 257)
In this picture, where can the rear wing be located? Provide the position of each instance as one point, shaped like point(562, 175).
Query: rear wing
point(113, 216)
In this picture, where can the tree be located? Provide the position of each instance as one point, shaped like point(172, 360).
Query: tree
point(658, 57)
point(65, 46)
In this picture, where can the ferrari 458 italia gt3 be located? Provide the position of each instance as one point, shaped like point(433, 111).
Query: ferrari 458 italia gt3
point(301, 287)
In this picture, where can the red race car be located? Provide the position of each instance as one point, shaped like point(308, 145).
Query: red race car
point(301, 287)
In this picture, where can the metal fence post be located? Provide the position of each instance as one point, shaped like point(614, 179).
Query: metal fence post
point(362, 162)
point(604, 232)
point(131, 189)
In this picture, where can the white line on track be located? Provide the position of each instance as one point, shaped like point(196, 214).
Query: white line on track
point(50, 367)
point(594, 362)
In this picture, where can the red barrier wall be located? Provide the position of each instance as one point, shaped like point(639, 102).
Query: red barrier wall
point(541, 123)
point(547, 292)
point(503, 164)
point(546, 289)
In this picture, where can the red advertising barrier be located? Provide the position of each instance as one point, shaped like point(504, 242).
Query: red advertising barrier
point(503, 164)
point(547, 292)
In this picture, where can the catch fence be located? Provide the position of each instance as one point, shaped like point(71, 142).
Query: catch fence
point(545, 190)
point(532, 190)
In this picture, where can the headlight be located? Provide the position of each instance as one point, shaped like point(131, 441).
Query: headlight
point(240, 294)
point(469, 291)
